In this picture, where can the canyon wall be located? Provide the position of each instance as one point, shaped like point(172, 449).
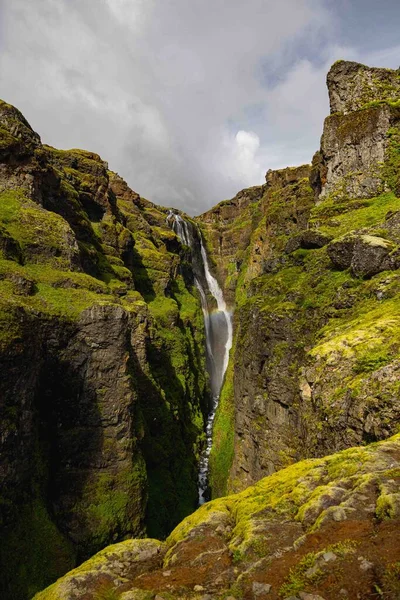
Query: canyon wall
point(103, 390)
point(312, 262)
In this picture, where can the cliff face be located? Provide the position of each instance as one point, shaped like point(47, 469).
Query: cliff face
point(314, 364)
point(357, 138)
point(318, 530)
point(104, 391)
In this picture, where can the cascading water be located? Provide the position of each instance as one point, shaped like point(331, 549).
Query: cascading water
point(218, 330)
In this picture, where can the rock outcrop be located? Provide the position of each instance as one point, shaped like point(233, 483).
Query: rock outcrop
point(103, 389)
point(320, 529)
point(357, 137)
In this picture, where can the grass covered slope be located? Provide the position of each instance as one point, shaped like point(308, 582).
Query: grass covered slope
point(104, 388)
point(324, 526)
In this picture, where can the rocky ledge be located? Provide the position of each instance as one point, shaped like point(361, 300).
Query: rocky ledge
point(322, 529)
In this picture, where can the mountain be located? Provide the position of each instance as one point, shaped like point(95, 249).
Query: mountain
point(105, 393)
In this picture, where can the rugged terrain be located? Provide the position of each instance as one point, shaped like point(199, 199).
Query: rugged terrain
point(103, 388)
point(323, 528)
point(105, 392)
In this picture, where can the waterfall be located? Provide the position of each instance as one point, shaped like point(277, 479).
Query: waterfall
point(218, 331)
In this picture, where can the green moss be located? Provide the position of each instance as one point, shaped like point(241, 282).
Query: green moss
point(109, 503)
point(223, 437)
point(110, 560)
point(352, 215)
point(42, 235)
point(298, 580)
point(46, 553)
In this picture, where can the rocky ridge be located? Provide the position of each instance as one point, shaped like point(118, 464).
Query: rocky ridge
point(312, 270)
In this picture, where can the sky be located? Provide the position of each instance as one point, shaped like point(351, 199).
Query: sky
point(189, 100)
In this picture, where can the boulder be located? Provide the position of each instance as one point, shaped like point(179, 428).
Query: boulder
point(309, 239)
point(366, 255)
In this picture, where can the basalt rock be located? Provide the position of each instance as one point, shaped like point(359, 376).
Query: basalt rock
point(352, 85)
point(103, 392)
point(315, 295)
point(357, 136)
point(311, 238)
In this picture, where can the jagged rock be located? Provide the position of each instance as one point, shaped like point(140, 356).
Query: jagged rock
point(309, 239)
point(282, 177)
point(91, 392)
point(260, 588)
point(354, 147)
point(246, 559)
point(366, 255)
point(352, 85)
point(356, 137)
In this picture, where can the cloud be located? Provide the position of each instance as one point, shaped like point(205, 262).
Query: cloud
point(189, 101)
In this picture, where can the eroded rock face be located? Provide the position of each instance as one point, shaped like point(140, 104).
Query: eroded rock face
point(366, 255)
point(104, 388)
point(353, 147)
point(313, 353)
point(326, 528)
point(352, 85)
point(356, 137)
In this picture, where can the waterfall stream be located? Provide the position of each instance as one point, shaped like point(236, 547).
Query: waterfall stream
point(218, 331)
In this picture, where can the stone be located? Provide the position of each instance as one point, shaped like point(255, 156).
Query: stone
point(365, 565)
point(340, 251)
point(260, 588)
point(352, 85)
point(369, 254)
point(329, 556)
point(308, 240)
point(305, 596)
point(366, 255)
point(198, 588)
point(312, 571)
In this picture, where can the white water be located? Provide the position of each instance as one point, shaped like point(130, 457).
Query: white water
point(218, 329)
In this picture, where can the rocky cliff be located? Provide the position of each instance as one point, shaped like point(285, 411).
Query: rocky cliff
point(103, 387)
point(312, 264)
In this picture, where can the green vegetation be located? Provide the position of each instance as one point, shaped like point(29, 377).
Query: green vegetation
point(223, 438)
point(280, 498)
point(337, 218)
point(46, 553)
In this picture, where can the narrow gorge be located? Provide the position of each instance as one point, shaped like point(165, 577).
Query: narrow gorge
point(246, 360)
point(218, 332)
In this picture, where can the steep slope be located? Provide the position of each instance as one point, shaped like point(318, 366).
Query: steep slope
point(103, 388)
point(323, 528)
point(312, 259)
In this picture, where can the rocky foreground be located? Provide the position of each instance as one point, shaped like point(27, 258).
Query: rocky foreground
point(320, 529)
